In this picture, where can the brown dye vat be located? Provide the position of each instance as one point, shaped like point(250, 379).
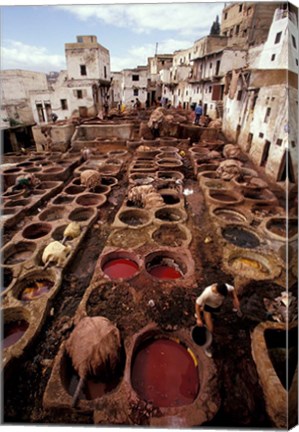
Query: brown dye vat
point(282, 353)
point(134, 217)
point(141, 179)
point(13, 331)
point(18, 203)
point(87, 200)
point(169, 163)
point(206, 167)
point(164, 374)
point(7, 278)
point(48, 185)
point(108, 181)
point(32, 170)
point(37, 192)
point(18, 253)
point(74, 190)
point(58, 233)
point(168, 149)
point(36, 230)
point(223, 196)
point(279, 227)
point(258, 195)
point(63, 199)
point(113, 162)
point(208, 174)
point(228, 215)
point(170, 175)
point(37, 158)
point(35, 289)
point(93, 388)
point(168, 155)
point(53, 170)
point(25, 164)
point(169, 215)
point(81, 214)
point(216, 184)
point(12, 195)
point(12, 170)
point(101, 189)
point(169, 235)
point(52, 214)
point(241, 237)
point(170, 198)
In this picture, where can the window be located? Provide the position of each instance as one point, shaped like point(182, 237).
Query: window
point(239, 95)
point(210, 89)
point(186, 92)
point(83, 70)
point(278, 37)
point(261, 135)
point(240, 8)
point(79, 94)
point(136, 92)
point(211, 106)
point(244, 32)
point(293, 144)
point(225, 15)
point(294, 42)
point(197, 90)
point(211, 65)
point(135, 77)
point(237, 29)
point(272, 57)
point(105, 71)
point(80, 39)
point(249, 11)
point(179, 92)
point(297, 62)
point(279, 142)
point(63, 103)
point(265, 153)
point(267, 115)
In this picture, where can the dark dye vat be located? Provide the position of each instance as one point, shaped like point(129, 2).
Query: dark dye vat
point(37, 230)
point(222, 197)
point(81, 214)
point(36, 289)
point(108, 181)
point(280, 227)
point(169, 236)
point(164, 374)
point(63, 199)
point(280, 353)
point(120, 268)
point(170, 199)
point(168, 215)
point(165, 272)
point(200, 335)
point(133, 218)
point(22, 252)
point(13, 331)
point(240, 237)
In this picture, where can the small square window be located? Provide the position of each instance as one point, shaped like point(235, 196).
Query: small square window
point(79, 94)
point(211, 65)
point(83, 70)
point(278, 37)
point(225, 15)
point(210, 89)
point(136, 92)
point(267, 115)
point(272, 57)
point(261, 135)
point(135, 77)
point(63, 103)
point(279, 142)
point(293, 144)
point(240, 8)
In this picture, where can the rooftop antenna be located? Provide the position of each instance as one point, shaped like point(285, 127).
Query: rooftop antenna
point(156, 52)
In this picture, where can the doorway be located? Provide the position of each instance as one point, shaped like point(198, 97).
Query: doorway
point(286, 169)
point(265, 154)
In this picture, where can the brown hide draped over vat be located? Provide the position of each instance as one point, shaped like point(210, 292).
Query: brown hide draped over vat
point(94, 347)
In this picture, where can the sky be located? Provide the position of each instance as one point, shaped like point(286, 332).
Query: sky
point(33, 37)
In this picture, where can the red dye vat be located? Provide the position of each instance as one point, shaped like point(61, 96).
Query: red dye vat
point(36, 289)
point(164, 374)
point(120, 268)
point(13, 331)
point(165, 272)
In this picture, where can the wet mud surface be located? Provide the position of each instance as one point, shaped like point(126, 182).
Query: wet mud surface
point(131, 309)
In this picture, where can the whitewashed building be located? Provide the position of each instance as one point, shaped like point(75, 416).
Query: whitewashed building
point(134, 85)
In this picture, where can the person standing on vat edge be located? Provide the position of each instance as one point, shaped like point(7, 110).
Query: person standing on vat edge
point(210, 302)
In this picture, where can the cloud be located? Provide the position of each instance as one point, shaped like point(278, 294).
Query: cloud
point(17, 55)
point(194, 19)
point(137, 55)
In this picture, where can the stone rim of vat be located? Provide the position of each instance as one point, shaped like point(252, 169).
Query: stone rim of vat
point(180, 211)
point(268, 377)
point(196, 412)
point(178, 255)
point(265, 227)
point(133, 178)
point(91, 200)
point(172, 176)
point(146, 218)
point(185, 242)
point(229, 192)
point(119, 254)
point(21, 246)
point(90, 212)
point(48, 215)
point(272, 264)
point(50, 274)
point(44, 228)
point(245, 214)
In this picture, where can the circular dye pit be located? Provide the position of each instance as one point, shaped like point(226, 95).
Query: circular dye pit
point(170, 176)
point(141, 179)
point(228, 215)
point(34, 289)
point(18, 203)
point(164, 373)
point(81, 214)
point(48, 185)
point(101, 189)
point(52, 214)
point(239, 236)
point(63, 199)
point(201, 336)
point(74, 190)
point(37, 230)
point(18, 253)
point(170, 198)
point(283, 227)
point(91, 200)
point(163, 267)
point(13, 331)
point(169, 235)
point(109, 181)
point(166, 214)
point(224, 196)
point(120, 268)
point(134, 217)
